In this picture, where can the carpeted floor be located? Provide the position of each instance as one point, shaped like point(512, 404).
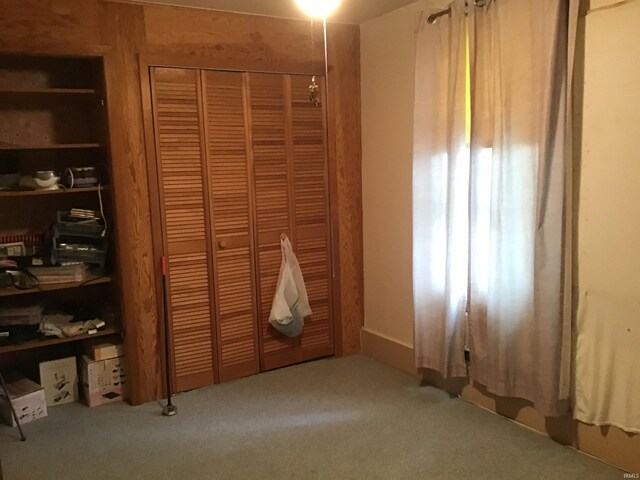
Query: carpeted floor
point(334, 419)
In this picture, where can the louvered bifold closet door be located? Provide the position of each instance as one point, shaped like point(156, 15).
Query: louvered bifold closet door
point(231, 197)
point(182, 185)
point(291, 191)
point(273, 191)
point(312, 218)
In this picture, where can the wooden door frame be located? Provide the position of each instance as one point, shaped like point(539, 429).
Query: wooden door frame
point(146, 62)
point(157, 236)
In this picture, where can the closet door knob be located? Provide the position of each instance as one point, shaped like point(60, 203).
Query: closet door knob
point(222, 244)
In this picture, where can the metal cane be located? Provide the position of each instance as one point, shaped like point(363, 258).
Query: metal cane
point(169, 409)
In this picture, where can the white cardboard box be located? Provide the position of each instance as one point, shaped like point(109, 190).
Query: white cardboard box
point(28, 401)
point(103, 381)
point(60, 381)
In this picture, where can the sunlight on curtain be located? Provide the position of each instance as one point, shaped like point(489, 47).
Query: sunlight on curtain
point(442, 231)
point(440, 194)
point(440, 258)
point(504, 228)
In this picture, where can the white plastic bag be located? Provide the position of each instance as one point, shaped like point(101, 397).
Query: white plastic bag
point(290, 303)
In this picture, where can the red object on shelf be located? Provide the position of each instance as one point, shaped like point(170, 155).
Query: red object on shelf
point(26, 238)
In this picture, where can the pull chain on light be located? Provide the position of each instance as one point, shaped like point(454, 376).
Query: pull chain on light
point(318, 9)
point(314, 92)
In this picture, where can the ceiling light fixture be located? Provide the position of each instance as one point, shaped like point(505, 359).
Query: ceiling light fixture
point(318, 8)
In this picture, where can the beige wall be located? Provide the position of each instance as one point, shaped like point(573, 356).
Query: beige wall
point(608, 220)
point(387, 54)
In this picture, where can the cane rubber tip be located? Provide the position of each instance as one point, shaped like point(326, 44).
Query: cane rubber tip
point(169, 410)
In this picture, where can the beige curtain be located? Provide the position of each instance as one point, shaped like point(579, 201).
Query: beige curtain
point(520, 312)
point(440, 194)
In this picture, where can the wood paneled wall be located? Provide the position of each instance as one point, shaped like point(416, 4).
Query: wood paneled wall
point(344, 129)
point(124, 31)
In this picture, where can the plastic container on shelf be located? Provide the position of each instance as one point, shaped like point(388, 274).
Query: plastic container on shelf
point(89, 228)
point(73, 273)
point(63, 252)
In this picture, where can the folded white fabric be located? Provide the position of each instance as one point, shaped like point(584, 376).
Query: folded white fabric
point(60, 326)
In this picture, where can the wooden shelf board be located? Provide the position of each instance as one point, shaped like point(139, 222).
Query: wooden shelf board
point(30, 193)
point(47, 91)
point(11, 291)
point(44, 342)
point(53, 146)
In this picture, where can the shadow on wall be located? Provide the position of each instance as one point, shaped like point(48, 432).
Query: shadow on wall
point(561, 429)
point(564, 429)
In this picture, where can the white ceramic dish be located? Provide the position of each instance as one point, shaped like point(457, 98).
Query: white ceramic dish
point(50, 184)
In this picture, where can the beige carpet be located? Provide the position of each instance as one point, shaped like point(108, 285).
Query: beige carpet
point(333, 419)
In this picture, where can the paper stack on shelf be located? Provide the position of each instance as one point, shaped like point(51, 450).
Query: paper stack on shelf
point(63, 274)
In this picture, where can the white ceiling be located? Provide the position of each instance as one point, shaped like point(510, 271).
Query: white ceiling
point(350, 11)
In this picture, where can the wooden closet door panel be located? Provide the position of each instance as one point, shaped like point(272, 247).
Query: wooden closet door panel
point(273, 216)
point(312, 218)
point(230, 197)
point(182, 187)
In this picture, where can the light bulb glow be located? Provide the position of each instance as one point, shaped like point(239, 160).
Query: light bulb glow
point(318, 8)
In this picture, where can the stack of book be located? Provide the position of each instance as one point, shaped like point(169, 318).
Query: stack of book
point(82, 214)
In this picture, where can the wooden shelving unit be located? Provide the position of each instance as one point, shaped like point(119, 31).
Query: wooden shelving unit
point(48, 341)
point(67, 191)
point(54, 146)
point(53, 116)
point(47, 91)
point(52, 287)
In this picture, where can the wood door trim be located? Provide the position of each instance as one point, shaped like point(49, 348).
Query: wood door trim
point(332, 161)
point(153, 181)
point(333, 266)
point(163, 236)
point(205, 63)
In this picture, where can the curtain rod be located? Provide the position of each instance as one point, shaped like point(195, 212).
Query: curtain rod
point(433, 18)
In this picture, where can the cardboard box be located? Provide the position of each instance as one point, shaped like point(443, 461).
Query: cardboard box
point(103, 381)
point(60, 381)
point(104, 350)
point(28, 401)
